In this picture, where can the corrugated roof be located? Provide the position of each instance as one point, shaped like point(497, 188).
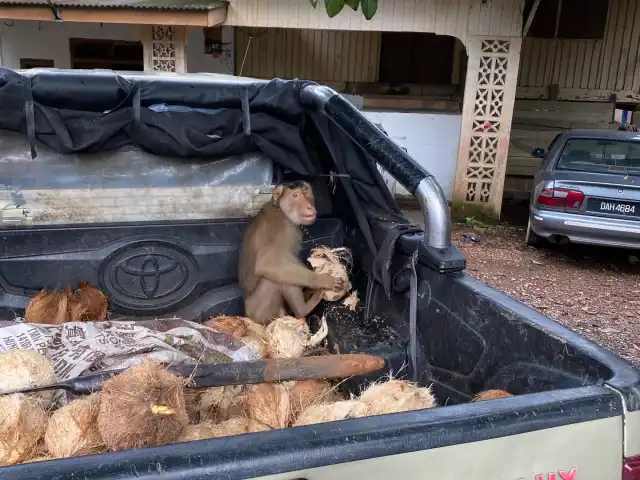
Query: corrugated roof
point(190, 5)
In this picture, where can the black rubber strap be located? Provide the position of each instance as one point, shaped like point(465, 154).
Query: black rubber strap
point(413, 318)
point(246, 117)
point(29, 112)
point(382, 260)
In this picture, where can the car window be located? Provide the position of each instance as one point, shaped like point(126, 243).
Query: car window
point(553, 142)
point(600, 156)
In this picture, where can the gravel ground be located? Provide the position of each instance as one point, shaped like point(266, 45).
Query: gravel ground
point(594, 291)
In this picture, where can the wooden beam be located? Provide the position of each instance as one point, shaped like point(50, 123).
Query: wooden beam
point(532, 14)
point(578, 94)
point(120, 15)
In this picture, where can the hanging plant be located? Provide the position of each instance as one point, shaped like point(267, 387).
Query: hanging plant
point(334, 7)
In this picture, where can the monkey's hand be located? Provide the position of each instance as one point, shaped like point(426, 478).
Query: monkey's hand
point(332, 283)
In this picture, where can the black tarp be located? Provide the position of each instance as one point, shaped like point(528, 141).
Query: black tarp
point(82, 111)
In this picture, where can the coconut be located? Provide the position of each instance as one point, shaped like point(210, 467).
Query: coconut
point(327, 412)
point(49, 307)
point(309, 392)
point(268, 404)
point(73, 429)
point(219, 403)
point(351, 301)
point(334, 262)
point(234, 326)
point(24, 369)
point(232, 426)
point(259, 344)
point(143, 406)
point(491, 395)
point(87, 304)
point(287, 337)
point(23, 421)
point(394, 396)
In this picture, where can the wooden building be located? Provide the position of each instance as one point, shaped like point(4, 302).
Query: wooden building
point(504, 67)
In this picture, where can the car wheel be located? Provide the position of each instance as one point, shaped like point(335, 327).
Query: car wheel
point(531, 238)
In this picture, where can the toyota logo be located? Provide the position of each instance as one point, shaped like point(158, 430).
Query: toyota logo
point(148, 272)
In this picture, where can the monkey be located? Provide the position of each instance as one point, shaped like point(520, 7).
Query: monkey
point(270, 272)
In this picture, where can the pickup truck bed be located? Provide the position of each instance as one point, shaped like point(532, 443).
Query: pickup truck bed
point(574, 413)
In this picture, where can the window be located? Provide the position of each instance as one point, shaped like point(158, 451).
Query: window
point(601, 156)
point(568, 19)
point(27, 63)
point(106, 54)
point(420, 58)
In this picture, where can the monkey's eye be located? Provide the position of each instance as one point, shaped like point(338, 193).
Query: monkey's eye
point(296, 194)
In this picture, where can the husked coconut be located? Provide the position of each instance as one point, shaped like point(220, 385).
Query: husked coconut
point(232, 426)
point(334, 262)
point(27, 368)
point(23, 421)
point(258, 343)
point(50, 308)
point(491, 395)
point(268, 404)
point(394, 396)
point(220, 403)
point(87, 303)
point(327, 412)
point(73, 429)
point(304, 393)
point(288, 337)
point(143, 406)
point(234, 326)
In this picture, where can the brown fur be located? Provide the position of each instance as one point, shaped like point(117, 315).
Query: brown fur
point(270, 272)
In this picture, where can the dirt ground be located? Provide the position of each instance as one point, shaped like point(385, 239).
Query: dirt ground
point(594, 291)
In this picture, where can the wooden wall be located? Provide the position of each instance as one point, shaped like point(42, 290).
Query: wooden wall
point(320, 55)
point(610, 64)
point(459, 18)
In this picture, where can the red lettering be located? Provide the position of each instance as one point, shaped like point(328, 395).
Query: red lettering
point(552, 476)
point(569, 476)
point(539, 477)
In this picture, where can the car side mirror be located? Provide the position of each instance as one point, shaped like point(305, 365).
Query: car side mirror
point(538, 153)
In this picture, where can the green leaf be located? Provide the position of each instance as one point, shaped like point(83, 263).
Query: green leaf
point(369, 8)
point(353, 4)
point(314, 3)
point(334, 7)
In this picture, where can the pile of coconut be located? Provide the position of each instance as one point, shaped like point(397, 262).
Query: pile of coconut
point(87, 303)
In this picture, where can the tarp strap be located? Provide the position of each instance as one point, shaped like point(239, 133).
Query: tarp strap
point(246, 118)
point(29, 112)
point(382, 261)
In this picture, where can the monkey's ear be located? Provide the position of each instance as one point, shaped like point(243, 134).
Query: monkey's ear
point(276, 194)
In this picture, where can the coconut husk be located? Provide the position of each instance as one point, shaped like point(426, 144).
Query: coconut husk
point(232, 426)
point(334, 262)
point(87, 304)
point(27, 368)
point(234, 326)
point(287, 337)
point(491, 395)
point(268, 404)
point(394, 396)
point(143, 406)
point(73, 429)
point(50, 308)
point(259, 344)
point(327, 412)
point(304, 393)
point(23, 421)
point(351, 301)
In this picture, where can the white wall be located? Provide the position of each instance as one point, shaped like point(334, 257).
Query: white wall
point(432, 139)
point(50, 40)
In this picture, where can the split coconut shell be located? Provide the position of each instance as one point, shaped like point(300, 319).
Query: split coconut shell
point(327, 412)
point(143, 406)
point(27, 368)
point(87, 304)
point(23, 422)
point(269, 405)
point(491, 395)
point(305, 393)
point(51, 308)
point(73, 429)
point(334, 262)
point(394, 396)
point(288, 337)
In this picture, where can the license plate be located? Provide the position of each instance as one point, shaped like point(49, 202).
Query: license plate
point(612, 207)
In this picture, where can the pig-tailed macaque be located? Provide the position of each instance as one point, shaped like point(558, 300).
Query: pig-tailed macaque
point(270, 272)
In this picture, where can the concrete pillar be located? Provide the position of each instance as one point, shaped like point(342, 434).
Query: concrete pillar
point(489, 96)
point(165, 48)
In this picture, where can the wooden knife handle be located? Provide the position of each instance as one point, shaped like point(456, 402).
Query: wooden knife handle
point(326, 366)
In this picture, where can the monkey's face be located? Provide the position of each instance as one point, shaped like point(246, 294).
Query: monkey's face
point(297, 202)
